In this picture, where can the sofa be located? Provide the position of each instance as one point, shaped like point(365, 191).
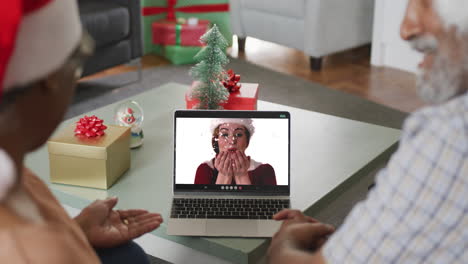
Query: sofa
point(316, 27)
point(115, 26)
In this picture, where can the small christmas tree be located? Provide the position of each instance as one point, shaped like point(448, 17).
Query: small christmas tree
point(209, 72)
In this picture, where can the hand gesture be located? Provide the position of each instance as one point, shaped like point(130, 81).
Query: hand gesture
point(240, 165)
point(223, 165)
point(105, 227)
point(298, 232)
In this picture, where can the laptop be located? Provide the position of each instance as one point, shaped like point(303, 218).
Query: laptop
point(231, 172)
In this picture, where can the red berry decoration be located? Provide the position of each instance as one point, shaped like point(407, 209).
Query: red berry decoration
point(232, 82)
point(90, 127)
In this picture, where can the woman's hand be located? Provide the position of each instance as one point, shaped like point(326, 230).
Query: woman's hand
point(224, 167)
point(106, 228)
point(240, 165)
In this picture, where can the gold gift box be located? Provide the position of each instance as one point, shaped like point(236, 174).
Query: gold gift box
point(94, 162)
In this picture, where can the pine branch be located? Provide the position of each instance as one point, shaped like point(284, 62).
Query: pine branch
point(210, 70)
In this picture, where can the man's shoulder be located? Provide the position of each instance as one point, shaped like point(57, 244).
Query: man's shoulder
point(450, 118)
point(434, 141)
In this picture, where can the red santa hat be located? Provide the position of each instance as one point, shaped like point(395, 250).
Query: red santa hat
point(453, 13)
point(36, 37)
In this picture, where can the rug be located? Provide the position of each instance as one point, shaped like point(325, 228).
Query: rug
point(274, 87)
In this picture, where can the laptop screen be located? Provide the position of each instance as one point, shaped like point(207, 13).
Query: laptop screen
point(232, 151)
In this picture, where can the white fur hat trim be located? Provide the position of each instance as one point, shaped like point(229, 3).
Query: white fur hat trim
point(246, 122)
point(7, 174)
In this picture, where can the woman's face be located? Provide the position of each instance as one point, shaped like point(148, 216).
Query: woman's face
point(232, 137)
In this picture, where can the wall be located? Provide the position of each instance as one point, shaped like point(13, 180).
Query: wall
point(388, 49)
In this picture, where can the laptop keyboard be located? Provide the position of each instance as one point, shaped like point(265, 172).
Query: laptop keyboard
point(227, 208)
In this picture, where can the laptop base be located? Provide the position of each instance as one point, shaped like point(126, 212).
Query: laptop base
point(223, 227)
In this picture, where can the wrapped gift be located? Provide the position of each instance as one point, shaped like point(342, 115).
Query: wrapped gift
point(180, 55)
point(167, 32)
point(244, 99)
point(216, 11)
point(91, 162)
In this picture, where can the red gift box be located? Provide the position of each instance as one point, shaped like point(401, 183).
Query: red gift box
point(167, 32)
point(245, 99)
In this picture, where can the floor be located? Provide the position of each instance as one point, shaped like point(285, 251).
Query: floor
point(349, 71)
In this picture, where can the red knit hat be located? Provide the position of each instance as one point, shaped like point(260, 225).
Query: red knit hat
point(36, 37)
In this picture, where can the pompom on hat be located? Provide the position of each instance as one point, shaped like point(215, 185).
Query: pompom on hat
point(246, 122)
point(36, 37)
point(453, 13)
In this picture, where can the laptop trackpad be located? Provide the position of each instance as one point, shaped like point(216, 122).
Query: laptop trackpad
point(231, 227)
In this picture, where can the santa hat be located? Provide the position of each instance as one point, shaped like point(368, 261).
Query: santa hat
point(453, 13)
point(36, 37)
point(246, 122)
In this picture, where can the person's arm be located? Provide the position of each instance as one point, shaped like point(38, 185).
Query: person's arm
point(43, 243)
point(404, 218)
point(269, 176)
point(241, 164)
point(299, 239)
point(263, 175)
point(224, 166)
point(204, 174)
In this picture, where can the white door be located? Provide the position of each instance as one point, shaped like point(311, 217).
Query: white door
point(388, 49)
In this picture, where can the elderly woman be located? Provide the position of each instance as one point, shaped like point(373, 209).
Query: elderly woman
point(230, 139)
point(42, 49)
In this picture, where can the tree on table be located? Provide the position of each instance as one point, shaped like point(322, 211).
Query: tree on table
point(209, 71)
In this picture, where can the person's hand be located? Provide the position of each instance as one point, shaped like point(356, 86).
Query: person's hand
point(293, 215)
point(105, 227)
point(223, 165)
point(290, 217)
point(240, 164)
point(299, 236)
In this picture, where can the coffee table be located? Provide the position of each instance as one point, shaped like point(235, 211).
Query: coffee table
point(327, 153)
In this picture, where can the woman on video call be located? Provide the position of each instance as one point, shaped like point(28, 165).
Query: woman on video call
point(230, 139)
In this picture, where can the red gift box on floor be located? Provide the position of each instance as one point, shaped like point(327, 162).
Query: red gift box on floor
point(167, 32)
point(245, 99)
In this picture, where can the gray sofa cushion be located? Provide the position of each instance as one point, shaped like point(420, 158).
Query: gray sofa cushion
point(106, 22)
point(107, 57)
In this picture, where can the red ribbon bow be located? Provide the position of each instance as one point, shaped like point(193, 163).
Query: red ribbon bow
point(90, 126)
point(232, 82)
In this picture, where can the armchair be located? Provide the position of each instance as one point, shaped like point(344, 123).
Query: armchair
point(316, 27)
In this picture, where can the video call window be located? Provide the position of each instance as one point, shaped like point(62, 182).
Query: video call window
point(238, 151)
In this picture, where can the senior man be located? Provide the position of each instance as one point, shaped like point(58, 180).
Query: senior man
point(418, 210)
